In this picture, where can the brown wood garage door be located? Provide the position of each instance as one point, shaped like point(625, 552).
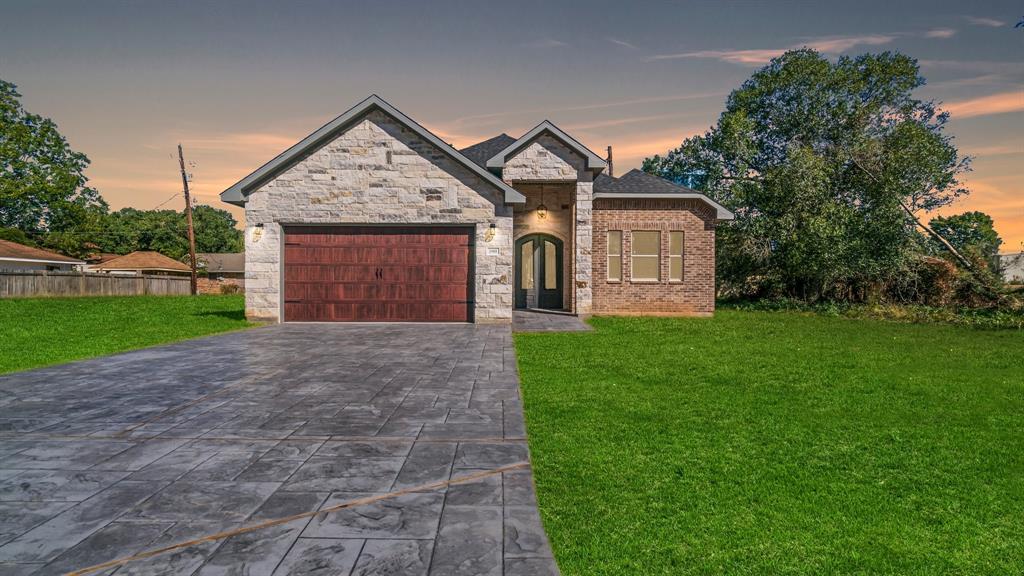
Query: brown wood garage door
point(377, 274)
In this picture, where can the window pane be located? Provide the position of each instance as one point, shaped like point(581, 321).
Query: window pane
point(645, 267)
point(526, 270)
point(615, 242)
point(675, 243)
point(615, 267)
point(675, 268)
point(646, 243)
point(550, 266)
point(615, 254)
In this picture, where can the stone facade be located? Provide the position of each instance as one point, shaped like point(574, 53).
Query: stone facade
point(695, 295)
point(546, 159)
point(378, 172)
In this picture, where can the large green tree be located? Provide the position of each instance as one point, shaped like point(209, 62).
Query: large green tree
point(42, 181)
point(165, 231)
point(826, 165)
point(971, 232)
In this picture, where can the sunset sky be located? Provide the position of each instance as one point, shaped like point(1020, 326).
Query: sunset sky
point(237, 82)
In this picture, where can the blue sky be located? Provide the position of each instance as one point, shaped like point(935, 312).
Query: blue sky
point(237, 82)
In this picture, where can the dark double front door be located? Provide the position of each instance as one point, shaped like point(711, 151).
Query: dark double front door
point(539, 272)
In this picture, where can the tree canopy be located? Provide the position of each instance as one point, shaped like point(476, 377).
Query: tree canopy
point(44, 199)
point(42, 181)
point(970, 232)
point(826, 165)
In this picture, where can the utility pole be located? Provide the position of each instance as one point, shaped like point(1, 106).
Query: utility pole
point(188, 220)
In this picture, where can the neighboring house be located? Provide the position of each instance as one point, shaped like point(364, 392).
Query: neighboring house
point(228, 265)
point(373, 217)
point(1012, 267)
point(18, 257)
point(224, 272)
point(142, 262)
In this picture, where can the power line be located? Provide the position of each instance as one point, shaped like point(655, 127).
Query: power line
point(176, 194)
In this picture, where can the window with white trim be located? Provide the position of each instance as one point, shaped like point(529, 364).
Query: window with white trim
point(615, 255)
point(675, 255)
point(644, 255)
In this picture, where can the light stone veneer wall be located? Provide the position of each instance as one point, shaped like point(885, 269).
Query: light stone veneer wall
point(378, 172)
point(547, 159)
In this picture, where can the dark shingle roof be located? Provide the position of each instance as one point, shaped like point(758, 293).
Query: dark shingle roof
point(229, 262)
point(643, 184)
point(639, 182)
point(481, 152)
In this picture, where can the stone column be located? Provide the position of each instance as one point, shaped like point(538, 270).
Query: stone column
point(583, 243)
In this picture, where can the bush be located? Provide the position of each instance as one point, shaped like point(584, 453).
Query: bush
point(1008, 316)
point(230, 289)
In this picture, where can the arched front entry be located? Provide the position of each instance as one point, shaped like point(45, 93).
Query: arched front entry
point(539, 272)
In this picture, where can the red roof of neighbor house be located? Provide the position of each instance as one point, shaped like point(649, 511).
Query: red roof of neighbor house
point(142, 260)
point(16, 251)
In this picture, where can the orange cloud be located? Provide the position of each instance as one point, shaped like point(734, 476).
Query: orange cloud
point(1001, 103)
point(830, 45)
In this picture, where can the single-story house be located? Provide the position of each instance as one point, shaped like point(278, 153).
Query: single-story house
point(224, 272)
point(142, 262)
point(18, 257)
point(1012, 267)
point(374, 218)
point(226, 265)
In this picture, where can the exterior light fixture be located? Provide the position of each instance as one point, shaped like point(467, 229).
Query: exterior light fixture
point(542, 210)
point(489, 234)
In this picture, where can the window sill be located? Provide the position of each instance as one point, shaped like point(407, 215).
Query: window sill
point(642, 281)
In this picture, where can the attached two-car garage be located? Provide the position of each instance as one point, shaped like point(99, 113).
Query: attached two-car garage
point(378, 274)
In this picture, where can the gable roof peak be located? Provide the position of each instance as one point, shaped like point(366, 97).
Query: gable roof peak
point(238, 193)
point(593, 161)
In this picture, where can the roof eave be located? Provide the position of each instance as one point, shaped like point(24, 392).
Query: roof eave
point(236, 194)
point(41, 261)
point(721, 212)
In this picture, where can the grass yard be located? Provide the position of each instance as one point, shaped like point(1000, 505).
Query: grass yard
point(778, 443)
point(40, 331)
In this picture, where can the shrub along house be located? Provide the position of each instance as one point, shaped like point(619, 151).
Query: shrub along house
point(374, 218)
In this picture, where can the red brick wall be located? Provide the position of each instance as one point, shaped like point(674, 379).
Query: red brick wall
point(213, 285)
point(695, 295)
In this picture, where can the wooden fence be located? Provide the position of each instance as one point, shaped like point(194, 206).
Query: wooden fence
point(37, 283)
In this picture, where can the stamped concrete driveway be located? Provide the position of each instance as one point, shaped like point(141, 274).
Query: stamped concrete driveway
point(293, 449)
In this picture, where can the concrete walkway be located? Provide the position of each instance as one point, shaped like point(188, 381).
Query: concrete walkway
point(547, 321)
point(348, 449)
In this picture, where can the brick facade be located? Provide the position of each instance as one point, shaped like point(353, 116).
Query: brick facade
point(695, 295)
point(206, 285)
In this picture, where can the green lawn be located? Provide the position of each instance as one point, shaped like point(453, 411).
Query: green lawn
point(39, 331)
point(778, 443)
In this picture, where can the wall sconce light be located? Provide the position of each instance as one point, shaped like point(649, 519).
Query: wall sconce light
point(257, 232)
point(491, 231)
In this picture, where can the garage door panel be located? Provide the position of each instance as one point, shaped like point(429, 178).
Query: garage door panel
point(377, 274)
